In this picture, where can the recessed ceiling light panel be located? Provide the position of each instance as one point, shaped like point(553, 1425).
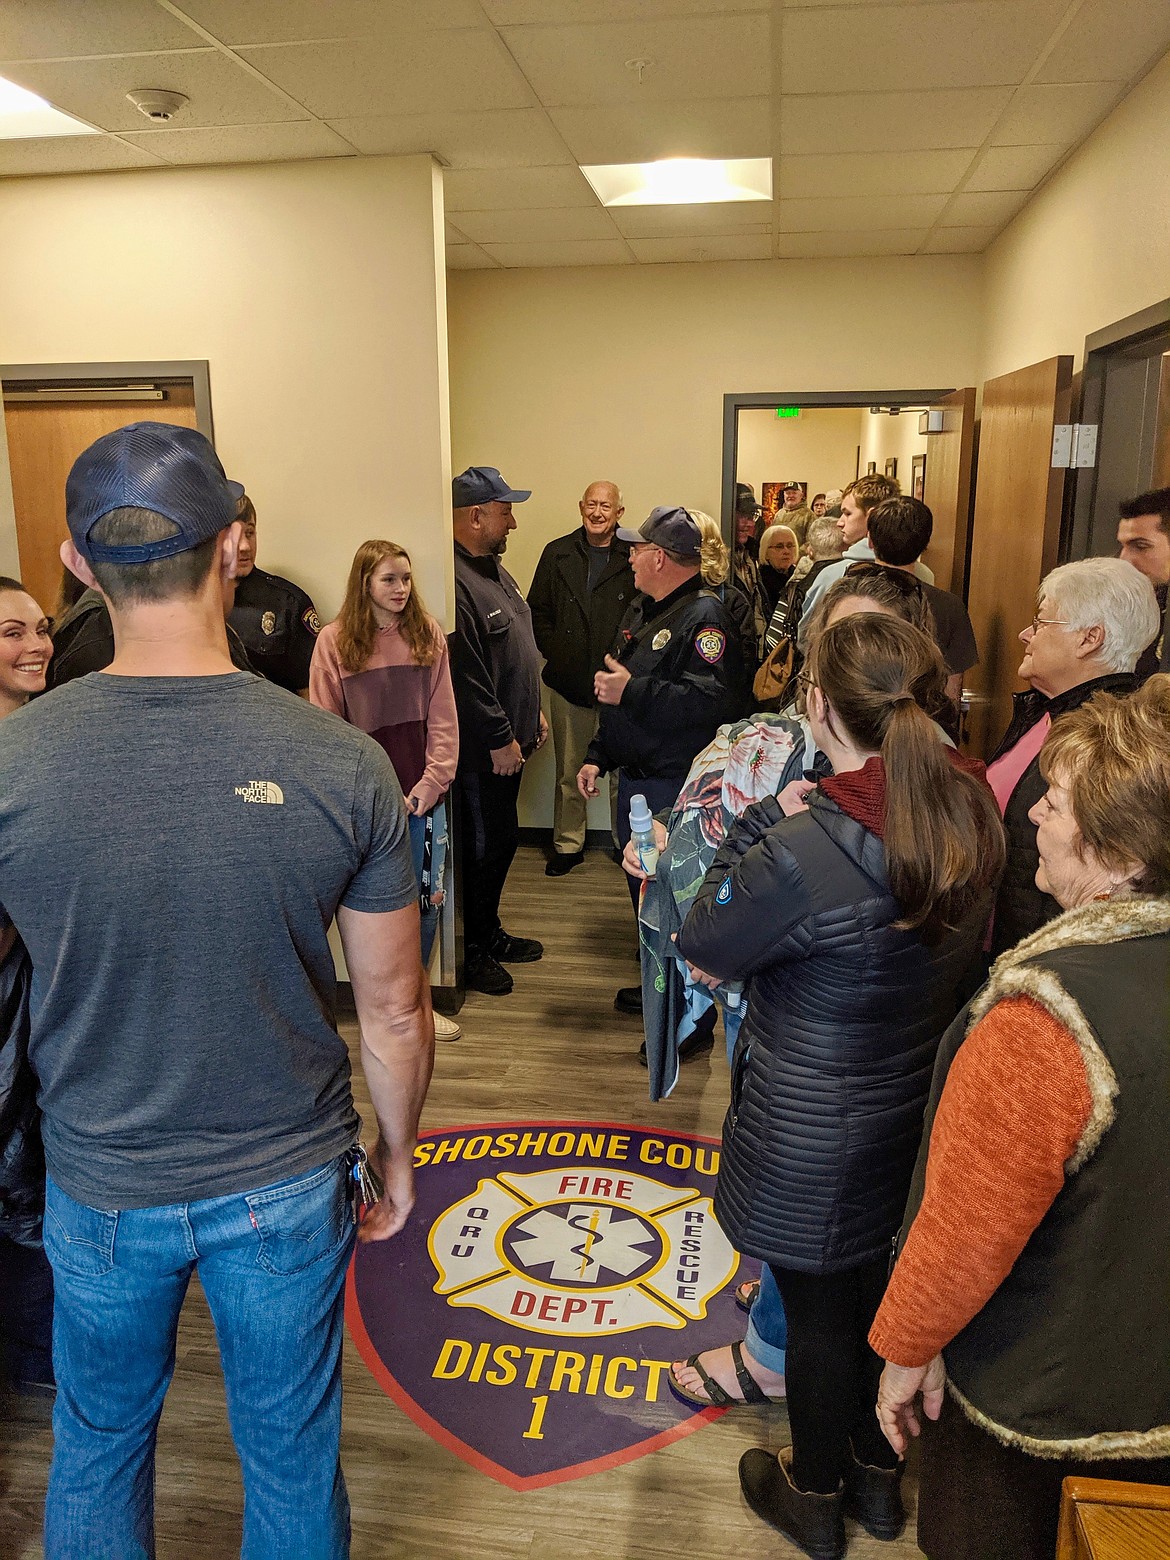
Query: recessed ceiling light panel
point(681, 181)
point(23, 115)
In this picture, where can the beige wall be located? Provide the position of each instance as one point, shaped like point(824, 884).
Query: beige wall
point(1093, 246)
point(883, 436)
point(316, 290)
point(818, 447)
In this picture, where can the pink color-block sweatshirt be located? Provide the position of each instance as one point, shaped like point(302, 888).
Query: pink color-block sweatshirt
point(408, 709)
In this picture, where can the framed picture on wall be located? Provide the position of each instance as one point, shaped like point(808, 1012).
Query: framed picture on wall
point(892, 466)
point(918, 478)
point(871, 469)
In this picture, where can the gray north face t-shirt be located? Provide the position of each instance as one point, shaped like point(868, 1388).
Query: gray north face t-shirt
point(172, 851)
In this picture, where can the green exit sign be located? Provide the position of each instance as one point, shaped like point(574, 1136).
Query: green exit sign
point(788, 411)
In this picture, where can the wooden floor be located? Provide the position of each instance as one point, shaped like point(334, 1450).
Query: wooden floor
point(554, 1048)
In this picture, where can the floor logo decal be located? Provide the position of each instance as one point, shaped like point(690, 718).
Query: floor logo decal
point(549, 1274)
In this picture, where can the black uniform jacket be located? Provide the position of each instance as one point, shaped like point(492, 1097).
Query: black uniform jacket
point(495, 665)
point(575, 626)
point(686, 681)
point(279, 626)
point(83, 642)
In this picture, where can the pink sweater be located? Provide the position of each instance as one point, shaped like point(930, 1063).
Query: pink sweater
point(408, 709)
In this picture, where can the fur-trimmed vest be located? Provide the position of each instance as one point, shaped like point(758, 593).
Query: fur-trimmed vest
point(1070, 1357)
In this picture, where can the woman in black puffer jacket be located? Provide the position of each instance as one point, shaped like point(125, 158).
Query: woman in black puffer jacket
point(856, 919)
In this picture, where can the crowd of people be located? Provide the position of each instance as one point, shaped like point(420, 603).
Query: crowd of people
point(943, 986)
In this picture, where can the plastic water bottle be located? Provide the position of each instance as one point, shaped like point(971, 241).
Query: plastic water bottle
point(642, 834)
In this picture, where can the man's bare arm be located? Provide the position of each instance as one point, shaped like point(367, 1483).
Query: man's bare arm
point(393, 1001)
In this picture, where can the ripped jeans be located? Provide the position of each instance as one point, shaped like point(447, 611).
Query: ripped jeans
point(429, 914)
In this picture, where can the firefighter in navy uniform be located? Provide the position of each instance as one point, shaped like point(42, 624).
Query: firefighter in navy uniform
point(675, 676)
point(275, 619)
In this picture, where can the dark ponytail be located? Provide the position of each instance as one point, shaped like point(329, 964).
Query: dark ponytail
point(942, 833)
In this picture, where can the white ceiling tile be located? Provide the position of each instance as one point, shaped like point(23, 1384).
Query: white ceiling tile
point(51, 29)
point(220, 92)
point(418, 73)
point(643, 132)
point(1013, 167)
point(991, 208)
point(244, 143)
point(874, 173)
point(854, 215)
point(897, 241)
point(1054, 114)
point(514, 189)
point(715, 246)
point(981, 43)
point(738, 216)
point(890, 121)
point(959, 240)
point(550, 224)
point(469, 257)
point(238, 22)
point(502, 138)
point(510, 13)
point(1108, 41)
point(71, 154)
point(599, 252)
point(693, 57)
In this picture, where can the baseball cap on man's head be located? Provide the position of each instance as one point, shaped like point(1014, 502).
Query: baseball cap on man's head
point(484, 485)
point(668, 527)
point(794, 487)
point(170, 470)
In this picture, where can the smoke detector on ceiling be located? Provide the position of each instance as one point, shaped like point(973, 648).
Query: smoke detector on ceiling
point(156, 103)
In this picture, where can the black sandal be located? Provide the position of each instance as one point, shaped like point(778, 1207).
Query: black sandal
point(712, 1394)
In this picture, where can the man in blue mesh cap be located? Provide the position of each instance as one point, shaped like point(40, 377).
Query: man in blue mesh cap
point(675, 676)
point(197, 1110)
point(495, 667)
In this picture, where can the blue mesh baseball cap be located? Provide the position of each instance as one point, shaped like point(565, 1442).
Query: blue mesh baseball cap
point(484, 485)
point(149, 465)
point(667, 526)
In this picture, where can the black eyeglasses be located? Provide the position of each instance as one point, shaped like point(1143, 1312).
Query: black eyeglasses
point(908, 584)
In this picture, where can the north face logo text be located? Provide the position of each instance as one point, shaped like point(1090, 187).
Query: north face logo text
point(261, 791)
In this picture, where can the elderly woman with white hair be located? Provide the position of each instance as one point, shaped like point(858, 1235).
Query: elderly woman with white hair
point(1093, 621)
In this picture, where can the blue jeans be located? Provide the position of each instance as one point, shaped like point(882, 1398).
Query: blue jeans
point(429, 914)
point(767, 1329)
point(272, 1264)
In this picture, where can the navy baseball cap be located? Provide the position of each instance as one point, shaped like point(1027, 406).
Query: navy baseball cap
point(484, 485)
point(668, 527)
point(149, 465)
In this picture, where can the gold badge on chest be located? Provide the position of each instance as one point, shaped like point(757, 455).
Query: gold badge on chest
point(661, 639)
point(268, 622)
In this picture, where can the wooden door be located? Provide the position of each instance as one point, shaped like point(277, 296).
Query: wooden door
point(1015, 535)
point(948, 489)
point(44, 439)
point(1162, 427)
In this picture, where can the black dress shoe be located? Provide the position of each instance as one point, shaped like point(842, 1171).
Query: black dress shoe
point(515, 950)
point(694, 1045)
point(482, 973)
point(814, 1523)
point(873, 1497)
point(629, 1000)
point(558, 865)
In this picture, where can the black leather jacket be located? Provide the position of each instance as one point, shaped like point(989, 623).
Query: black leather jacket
point(22, 1159)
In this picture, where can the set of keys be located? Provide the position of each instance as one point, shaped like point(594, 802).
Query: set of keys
point(364, 1187)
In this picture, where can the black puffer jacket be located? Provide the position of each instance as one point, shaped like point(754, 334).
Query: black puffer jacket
point(833, 1066)
point(1020, 908)
point(22, 1159)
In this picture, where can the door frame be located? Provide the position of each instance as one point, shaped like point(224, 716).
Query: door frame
point(96, 376)
point(735, 401)
point(1146, 325)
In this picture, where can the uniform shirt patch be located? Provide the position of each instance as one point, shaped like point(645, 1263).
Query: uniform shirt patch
point(711, 644)
point(661, 639)
point(723, 897)
point(268, 623)
point(311, 621)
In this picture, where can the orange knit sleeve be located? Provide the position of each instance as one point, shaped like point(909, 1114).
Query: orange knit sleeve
point(1015, 1104)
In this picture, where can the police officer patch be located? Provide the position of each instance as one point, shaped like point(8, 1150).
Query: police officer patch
point(711, 644)
point(311, 621)
point(723, 897)
point(268, 623)
point(661, 639)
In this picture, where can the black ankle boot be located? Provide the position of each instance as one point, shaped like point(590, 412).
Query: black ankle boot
point(814, 1523)
point(873, 1497)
